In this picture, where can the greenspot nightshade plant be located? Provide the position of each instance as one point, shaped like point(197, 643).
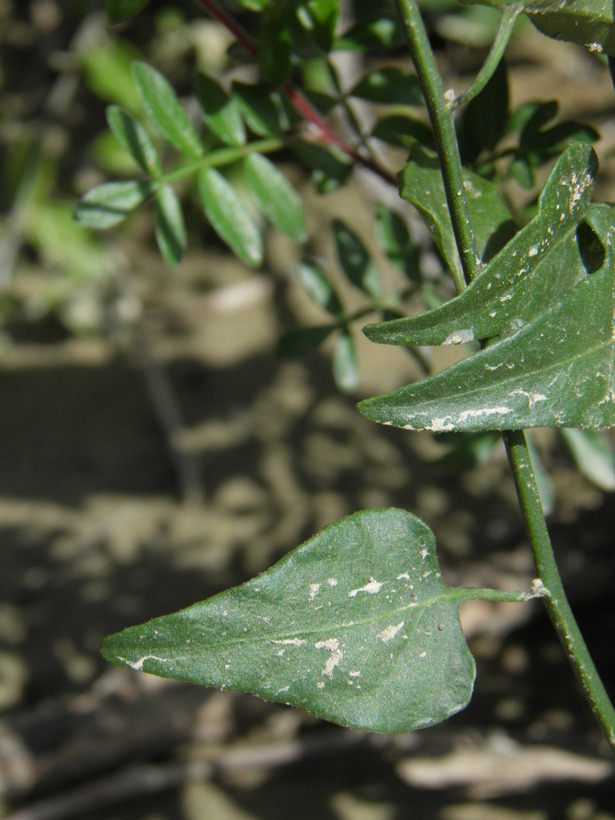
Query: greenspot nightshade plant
point(356, 625)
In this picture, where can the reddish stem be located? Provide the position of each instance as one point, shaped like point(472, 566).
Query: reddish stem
point(296, 98)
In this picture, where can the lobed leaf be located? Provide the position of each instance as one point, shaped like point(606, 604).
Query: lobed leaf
point(275, 196)
point(557, 371)
point(170, 228)
point(135, 139)
point(109, 204)
point(422, 186)
point(538, 266)
point(355, 626)
point(165, 111)
point(229, 217)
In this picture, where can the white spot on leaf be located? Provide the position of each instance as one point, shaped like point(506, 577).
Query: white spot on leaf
point(371, 588)
point(389, 632)
point(314, 588)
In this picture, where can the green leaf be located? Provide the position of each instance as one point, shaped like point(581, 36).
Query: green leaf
point(401, 130)
point(546, 490)
point(220, 112)
point(537, 267)
point(484, 119)
point(373, 33)
point(229, 217)
point(274, 50)
point(394, 239)
point(355, 626)
point(345, 366)
point(356, 261)
point(557, 371)
point(262, 109)
point(421, 185)
point(586, 22)
point(109, 204)
point(593, 456)
point(135, 139)
point(254, 5)
point(275, 196)
point(120, 10)
point(165, 111)
point(331, 167)
point(319, 289)
point(170, 228)
point(107, 72)
point(392, 86)
point(303, 340)
point(319, 18)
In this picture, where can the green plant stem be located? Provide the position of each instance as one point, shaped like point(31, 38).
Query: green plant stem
point(226, 156)
point(508, 16)
point(444, 136)
point(556, 602)
point(516, 444)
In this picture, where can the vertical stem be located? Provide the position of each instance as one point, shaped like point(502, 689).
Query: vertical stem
point(444, 135)
point(516, 445)
point(556, 602)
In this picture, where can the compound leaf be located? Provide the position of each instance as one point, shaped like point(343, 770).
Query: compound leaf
point(229, 217)
point(135, 139)
point(109, 204)
point(319, 288)
point(538, 266)
point(422, 186)
point(356, 261)
point(389, 85)
point(170, 227)
point(165, 111)
point(276, 197)
point(355, 626)
point(220, 111)
point(345, 365)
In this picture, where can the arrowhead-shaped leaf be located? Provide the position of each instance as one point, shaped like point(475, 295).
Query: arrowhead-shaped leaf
point(422, 186)
point(165, 111)
point(229, 217)
point(536, 268)
point(355, 626)
point(557, 371)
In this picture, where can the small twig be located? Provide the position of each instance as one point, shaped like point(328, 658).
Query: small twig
point(140, 780)
point(169, 415)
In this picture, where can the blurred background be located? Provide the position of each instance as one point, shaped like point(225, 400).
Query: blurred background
point(155, 450)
